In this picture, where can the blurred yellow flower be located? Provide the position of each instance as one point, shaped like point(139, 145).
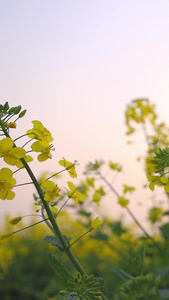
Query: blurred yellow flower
point(95, 224)
point(74, 194)
point(69, 166)
point(7, 182)
point(52, 190)
point(123, 201)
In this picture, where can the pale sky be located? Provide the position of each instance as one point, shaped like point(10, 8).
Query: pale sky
point(75, 65)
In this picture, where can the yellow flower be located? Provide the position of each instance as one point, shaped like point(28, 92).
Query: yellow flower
point(98, 194)
point(10, 154)
point(123, 201)
point(115, 166)
point(43, 147)
point(7, 182)
point(74, 194)
point(90, 181)
point(52, 190)
point(127, 189)
point(155, 214)
point(95, 224)
point(69, 166)
point(39, 132)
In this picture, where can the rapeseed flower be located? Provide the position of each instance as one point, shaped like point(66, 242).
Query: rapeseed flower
point(123, 201)
point(69, 166)
point(74, 194)
point(44, 148)
point(10, 154)
point(7, 182)
point(95, 224)
point(52, 190)
point(39, 132)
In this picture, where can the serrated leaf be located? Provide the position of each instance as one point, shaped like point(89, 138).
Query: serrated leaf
point(55, 241)
point(59, 269)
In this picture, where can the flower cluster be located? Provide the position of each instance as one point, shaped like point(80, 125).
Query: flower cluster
point(69, 166)
point(74, 194)
point(43, 137)
point(52, 190)
point(138, 111)
point(157, 169)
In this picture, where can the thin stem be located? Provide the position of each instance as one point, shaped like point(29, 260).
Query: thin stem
point(56, 174)
point(29, 226)
point(19, 137)
point(63, 205)
point(20, 184)
point(128, 210)
point(146, 134)
point(46, 221)
point(79, 238)
point(7, 118)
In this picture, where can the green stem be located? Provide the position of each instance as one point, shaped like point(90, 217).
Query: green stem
point(52, 220)
point(29, 226)
point(79, 238)
point(128, 209)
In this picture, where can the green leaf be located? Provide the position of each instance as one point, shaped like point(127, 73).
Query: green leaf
point(59, 269)
point(55, 241)
point(124, 276)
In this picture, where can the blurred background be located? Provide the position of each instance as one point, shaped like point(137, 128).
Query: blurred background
point(75, 66)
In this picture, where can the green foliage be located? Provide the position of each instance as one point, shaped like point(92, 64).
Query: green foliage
point(144, 287)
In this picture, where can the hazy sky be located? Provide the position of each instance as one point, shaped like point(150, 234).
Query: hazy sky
point(75, 65)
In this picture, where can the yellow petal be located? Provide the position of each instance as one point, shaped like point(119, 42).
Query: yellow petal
point(48, 185)
point(95, 224)
point(167, 187)
point(71, 186)
point(6, 144)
